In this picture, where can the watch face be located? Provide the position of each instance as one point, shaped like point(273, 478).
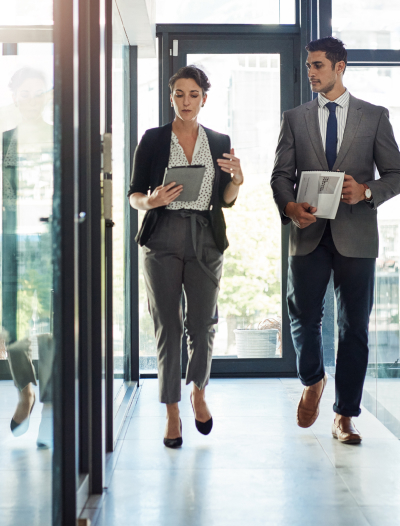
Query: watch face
point(368, 193)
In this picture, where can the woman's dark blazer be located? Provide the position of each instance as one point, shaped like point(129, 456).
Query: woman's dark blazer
point(149, 163)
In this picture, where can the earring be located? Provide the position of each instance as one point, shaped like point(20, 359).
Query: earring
point(202, 105)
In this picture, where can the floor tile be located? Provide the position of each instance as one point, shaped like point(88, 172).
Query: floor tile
point(249, 515)
point(372, 452)
point(223, 489)
point(25, 490)
point(376, 486)
point(33, 516)
point(382, 515)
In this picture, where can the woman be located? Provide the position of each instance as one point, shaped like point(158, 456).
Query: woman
point(27, 178)
point(183, 242)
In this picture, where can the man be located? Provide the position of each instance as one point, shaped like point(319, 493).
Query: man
point(334, 132)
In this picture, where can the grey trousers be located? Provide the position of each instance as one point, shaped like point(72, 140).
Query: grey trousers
point(21, 366)
point(181, 253)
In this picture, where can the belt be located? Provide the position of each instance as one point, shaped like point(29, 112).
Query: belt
point(198, 217)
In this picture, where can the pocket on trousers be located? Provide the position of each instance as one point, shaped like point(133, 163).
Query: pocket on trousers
point(214, 260)
point(160, 237)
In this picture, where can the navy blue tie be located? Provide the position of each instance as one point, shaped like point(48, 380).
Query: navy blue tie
point(331, 135)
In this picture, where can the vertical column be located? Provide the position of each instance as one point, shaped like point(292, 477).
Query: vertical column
point(91, 248)
point(305, 37)
point(325, 18)
point(109, 349)
point(64, 261)
point(131, 216)
point(96, 232)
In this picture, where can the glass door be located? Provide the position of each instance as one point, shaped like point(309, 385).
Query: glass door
point(245, 104)
point(253, 81)
point(26, 306)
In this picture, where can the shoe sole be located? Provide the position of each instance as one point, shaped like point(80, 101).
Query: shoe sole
point(316, 414)
point(349, 441)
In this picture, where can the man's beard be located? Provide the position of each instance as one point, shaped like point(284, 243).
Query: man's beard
point(326, 89)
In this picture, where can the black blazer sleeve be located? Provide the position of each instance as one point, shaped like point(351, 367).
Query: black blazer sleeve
point(140, 180)
point(225, 178)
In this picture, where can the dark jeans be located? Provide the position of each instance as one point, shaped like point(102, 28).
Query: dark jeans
point(354, 288)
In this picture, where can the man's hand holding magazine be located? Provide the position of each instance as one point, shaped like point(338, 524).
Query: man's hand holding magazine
point(301, 214)
point(352, 192)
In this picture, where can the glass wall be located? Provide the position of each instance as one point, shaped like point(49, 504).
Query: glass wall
point(25, 12)
point(244, 103)
point(226, 12)
point(119, 109)
point(26, 307)
point(379, 85)
point(375, 25)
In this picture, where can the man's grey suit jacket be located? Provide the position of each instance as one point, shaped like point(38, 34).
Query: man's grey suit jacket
point(368, 141)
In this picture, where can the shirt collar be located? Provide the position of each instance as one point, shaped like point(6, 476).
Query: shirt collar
point(174, 138)
point(342, 101)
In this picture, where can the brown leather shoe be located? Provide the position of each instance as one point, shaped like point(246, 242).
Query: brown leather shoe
point(308, 407)
point(344, 430)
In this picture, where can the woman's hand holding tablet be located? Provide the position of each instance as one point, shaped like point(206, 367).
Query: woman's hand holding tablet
point(164, 195)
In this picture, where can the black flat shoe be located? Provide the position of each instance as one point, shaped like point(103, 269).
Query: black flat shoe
point(202, 427)
point(19, 429)
point(174, 443)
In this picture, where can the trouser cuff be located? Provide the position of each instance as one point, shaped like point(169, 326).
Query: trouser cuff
point(345, 412)
point(313, 381)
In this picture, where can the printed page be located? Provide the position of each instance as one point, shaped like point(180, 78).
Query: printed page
point(322, 190)
point(330, 190)
point(308, 189)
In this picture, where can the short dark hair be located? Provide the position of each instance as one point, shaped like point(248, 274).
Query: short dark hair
point(191, 72)
point(23, 74)
point(333, 47)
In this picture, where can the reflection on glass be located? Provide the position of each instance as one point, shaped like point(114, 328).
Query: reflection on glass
point(226, 12)
point(375, 25)
point(119, 200)
point(379, 86)
point(26, 264)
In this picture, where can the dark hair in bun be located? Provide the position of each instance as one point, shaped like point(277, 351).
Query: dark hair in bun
point(191, 72)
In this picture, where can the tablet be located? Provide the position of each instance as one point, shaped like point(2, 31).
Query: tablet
point(190, 177)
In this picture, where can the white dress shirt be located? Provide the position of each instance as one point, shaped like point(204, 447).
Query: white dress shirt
point(342, 110)
point(201, 155)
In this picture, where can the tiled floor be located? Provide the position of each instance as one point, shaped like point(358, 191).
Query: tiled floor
point(255, 468)
point(25, 471)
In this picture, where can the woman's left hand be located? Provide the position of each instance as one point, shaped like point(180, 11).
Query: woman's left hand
point(231, 165)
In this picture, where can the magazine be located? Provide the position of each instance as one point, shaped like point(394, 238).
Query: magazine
point(322, 190)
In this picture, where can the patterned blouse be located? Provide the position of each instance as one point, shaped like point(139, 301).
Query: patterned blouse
point(201, 155)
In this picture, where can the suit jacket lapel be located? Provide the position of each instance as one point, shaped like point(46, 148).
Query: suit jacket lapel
point(311, 117)
point(353, 120)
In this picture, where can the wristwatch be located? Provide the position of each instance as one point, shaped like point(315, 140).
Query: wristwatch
point(367, 192)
